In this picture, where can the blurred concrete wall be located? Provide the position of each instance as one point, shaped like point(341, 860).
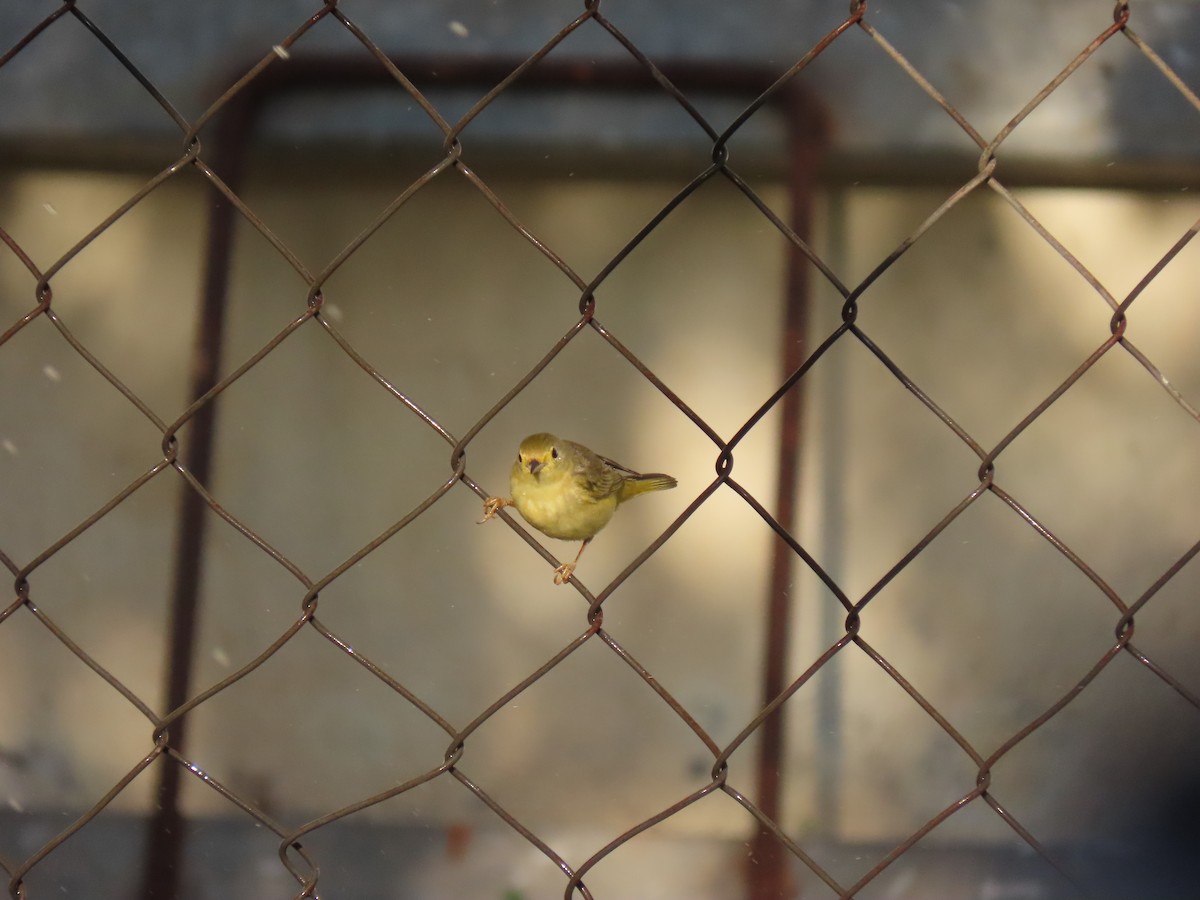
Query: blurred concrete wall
point(990, 622)
point(66, 93)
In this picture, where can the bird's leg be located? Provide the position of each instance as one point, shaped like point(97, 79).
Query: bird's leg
point(563, 573)
point(491, 506)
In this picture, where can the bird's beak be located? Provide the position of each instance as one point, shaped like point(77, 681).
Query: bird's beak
point(534, 465)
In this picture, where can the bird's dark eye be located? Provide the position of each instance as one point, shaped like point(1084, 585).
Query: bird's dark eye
point(519, 458)
point(554, 452)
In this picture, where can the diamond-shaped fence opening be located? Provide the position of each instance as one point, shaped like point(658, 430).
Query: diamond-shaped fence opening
point(935, 451)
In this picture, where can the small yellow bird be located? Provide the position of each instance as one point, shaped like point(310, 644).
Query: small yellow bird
point(566, 491)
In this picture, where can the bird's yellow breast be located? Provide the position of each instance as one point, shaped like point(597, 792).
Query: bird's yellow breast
point(560, 506)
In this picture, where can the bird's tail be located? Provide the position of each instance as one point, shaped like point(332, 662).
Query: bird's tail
point(640, 484)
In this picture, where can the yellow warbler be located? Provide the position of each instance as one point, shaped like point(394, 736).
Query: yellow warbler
point(566, 491)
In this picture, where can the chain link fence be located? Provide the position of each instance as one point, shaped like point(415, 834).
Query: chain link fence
point(213, 146)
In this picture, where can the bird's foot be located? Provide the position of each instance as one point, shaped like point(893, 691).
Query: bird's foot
point(563, 573)
point(491, 506)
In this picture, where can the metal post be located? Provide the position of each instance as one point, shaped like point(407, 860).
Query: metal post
point(164, 842)
point(769, 873)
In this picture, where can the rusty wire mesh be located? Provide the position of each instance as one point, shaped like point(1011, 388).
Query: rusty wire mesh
point(164, 734)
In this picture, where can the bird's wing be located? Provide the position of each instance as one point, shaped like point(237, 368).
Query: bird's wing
point(605, 479)
point(625, 471)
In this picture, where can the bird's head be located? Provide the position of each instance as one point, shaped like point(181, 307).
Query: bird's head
point(540, 454)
